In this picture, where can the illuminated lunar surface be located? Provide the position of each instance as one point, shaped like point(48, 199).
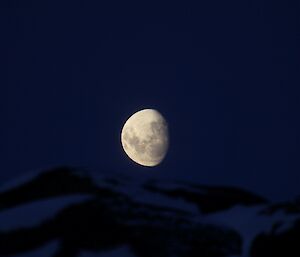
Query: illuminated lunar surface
point(145, 137)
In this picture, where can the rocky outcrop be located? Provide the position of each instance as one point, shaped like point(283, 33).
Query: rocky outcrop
point(208, 198)
point(284, 237)
point(96, 212)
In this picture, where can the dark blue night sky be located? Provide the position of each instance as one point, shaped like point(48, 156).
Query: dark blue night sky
point(225, 74)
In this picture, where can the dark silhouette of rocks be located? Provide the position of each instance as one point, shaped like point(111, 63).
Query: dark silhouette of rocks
point(210, 198)
point(282, 240)
point(280, 244)
point(152, 218)
point(51, 183)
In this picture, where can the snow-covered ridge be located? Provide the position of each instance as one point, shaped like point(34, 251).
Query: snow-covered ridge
point(102, 213)
point(34, 213)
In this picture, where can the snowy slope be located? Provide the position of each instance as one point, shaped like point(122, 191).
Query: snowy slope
point(69, 212)
point(33, 214)
point(249, 222)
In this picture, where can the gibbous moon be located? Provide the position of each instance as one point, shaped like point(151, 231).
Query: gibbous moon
point(145, 137)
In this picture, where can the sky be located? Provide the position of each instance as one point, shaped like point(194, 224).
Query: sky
point(225, 75)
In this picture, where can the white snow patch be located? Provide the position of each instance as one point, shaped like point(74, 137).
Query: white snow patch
point(34, 213)
point(249, 223)
point(134, 189)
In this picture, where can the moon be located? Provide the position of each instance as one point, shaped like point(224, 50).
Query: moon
point(145, 137)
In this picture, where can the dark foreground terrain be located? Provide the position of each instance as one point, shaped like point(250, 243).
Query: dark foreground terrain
point(70, 212)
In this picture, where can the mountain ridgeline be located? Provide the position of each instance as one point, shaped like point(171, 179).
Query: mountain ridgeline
point(74, 213)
